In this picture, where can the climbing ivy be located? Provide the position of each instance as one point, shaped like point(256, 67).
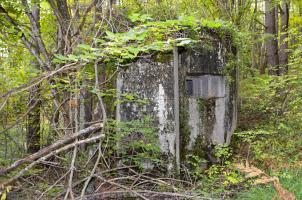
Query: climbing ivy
point(147, 37)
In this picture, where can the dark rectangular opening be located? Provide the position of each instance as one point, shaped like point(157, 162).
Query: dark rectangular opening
point(189, 85)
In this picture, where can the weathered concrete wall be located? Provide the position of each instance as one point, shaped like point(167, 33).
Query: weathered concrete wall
point(207, 116)
point(151, 80)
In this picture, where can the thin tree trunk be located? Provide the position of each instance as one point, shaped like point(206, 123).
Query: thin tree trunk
point(272, 41)
point(263, 59)
point(33, 118)
point(283, 55)
point(254, 44)
point(33, 121)
point(85, 108)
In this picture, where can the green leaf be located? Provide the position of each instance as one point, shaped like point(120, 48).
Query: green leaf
point(85, 47)
point(136, 17)
point(129, 97)
point(73, 57)
point(110, 35)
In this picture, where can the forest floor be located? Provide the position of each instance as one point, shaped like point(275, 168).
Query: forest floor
point(290, 179)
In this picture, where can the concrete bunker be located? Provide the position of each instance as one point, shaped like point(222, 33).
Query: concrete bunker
point(191, 95)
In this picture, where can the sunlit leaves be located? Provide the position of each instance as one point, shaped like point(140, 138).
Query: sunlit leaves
point(143, 39)
point(137, 17)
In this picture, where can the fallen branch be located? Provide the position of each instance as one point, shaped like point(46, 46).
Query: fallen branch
point(52, 153)
point(263, 178)
point(122, 194)
point(66, 140)
point(53, 185)
point(121, 186)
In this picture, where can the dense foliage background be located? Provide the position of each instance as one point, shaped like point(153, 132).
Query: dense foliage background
point(59, 60)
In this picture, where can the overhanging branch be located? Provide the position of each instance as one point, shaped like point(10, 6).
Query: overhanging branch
point(24, 39)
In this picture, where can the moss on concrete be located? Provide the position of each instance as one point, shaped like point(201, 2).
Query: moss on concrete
point(184, 129)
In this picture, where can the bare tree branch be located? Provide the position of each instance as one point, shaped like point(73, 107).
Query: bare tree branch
point(24, 39)
point(36, 32)
point(36, 81)
point(66, 140)
point(45, 157)
point(103, 110)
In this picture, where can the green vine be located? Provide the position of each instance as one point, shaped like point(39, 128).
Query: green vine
point(148, 37)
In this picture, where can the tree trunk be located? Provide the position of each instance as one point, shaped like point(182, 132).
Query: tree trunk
point(254, 50)
point(263, 59)
point(272, 41)
point(85, 108)
point(283, 55)
point(33, 121)
point(33, 117)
